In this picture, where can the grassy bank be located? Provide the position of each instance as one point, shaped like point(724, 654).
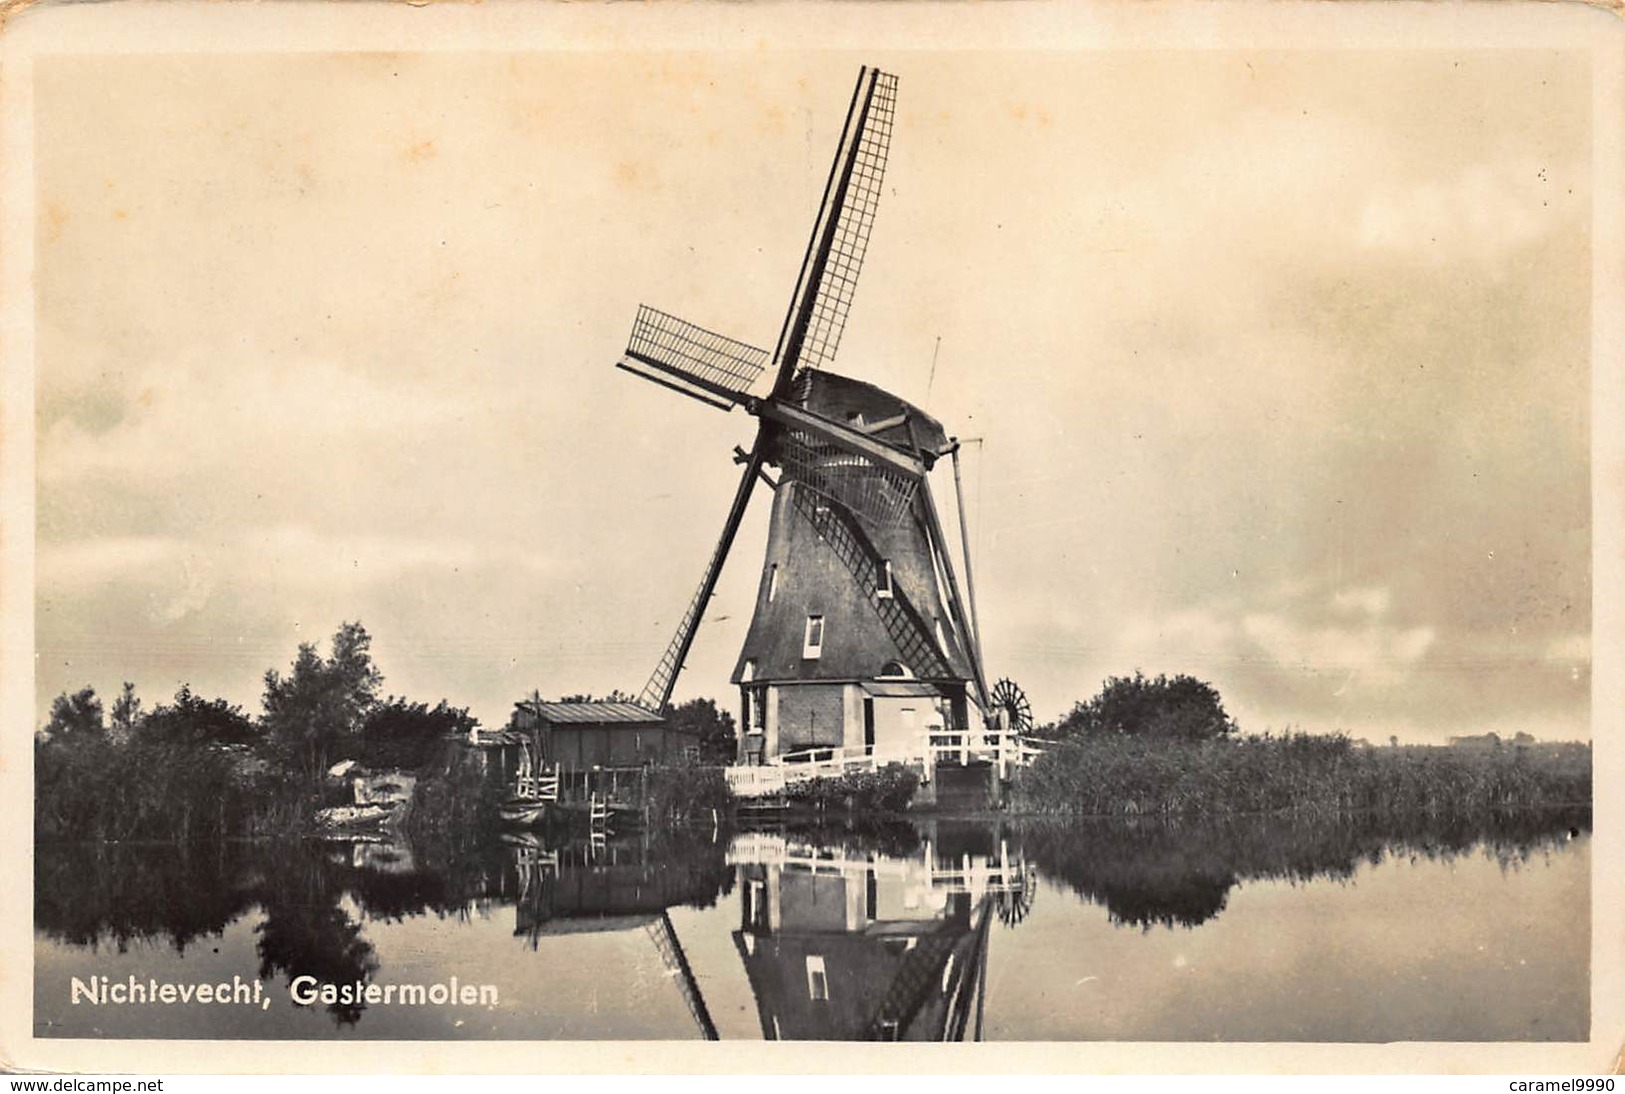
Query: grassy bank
point(1129, 776)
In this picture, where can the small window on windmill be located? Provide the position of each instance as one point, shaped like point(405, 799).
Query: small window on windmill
point(884, 591)
point(895, 670)
point(817, 978)
point(812, 646)
point(772, 582)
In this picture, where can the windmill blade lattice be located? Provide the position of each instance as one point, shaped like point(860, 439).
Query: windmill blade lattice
point(829, 273)
point(838, 281)
point(683, 355)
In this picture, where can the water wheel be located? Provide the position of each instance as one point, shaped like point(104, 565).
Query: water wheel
point(1009, 698)
point(1014, 904)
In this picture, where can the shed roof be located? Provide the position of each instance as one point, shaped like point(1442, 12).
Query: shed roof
point(600, 713)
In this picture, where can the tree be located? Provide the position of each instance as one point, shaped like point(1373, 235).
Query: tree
point(713, 727)
point(75, 717)
point(615, 696)
point(321, 703)
point(193, 720)
point(1168, 708)
point(126, 714)
point(398, 733)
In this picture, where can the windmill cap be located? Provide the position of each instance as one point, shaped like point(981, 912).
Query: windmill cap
point(902, 424)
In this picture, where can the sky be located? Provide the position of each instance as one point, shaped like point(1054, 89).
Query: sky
point(1274, 366)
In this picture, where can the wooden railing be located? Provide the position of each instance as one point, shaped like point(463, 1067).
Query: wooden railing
point(1004, 749)
point(977, 875)
point(538, 785)
point(541, 786)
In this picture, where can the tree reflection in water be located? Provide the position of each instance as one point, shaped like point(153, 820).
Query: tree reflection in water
point(315, 899)
point(1179, 873)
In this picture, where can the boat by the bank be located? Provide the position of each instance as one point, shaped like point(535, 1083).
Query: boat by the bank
point(524, 812)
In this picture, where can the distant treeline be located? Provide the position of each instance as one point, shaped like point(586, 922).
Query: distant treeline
point(200, 768)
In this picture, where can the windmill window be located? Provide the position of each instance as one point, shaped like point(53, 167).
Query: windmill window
point(817, 979)
point(884, 591)
point(772, 582)
point(895, 670)
point(812, 646)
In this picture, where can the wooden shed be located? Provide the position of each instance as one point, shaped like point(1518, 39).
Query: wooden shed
point(583, 736)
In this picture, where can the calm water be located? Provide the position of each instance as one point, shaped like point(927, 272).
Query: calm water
point(1356, 930)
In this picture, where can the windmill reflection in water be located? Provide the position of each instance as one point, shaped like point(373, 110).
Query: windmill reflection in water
point(837, 943)
point(857, 945)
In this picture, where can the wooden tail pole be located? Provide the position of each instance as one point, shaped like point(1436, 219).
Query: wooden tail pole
point(970, 582)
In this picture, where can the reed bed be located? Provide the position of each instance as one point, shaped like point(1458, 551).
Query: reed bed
point(1117, 776)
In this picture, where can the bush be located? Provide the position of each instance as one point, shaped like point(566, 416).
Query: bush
point(686, 792)
point(193, 720)
point(96, 789)
point(888, 790)
point(408, 735)
point(712, 727)
point(1167, 708)
point(459, 805)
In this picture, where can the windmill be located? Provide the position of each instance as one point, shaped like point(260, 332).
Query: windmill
point(860, 632)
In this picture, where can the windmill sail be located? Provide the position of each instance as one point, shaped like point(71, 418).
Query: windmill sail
point(657, 692)
point(829, 272)
point(702, 364)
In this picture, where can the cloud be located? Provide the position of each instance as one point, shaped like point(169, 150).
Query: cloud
point(1342, 634)
point(181, 421)
point(285, 553)
point(1485, 213)
point(84, 564)
point(1379, 654)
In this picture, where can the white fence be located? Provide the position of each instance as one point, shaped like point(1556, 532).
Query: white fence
point(978, 875)
point(1003, 749)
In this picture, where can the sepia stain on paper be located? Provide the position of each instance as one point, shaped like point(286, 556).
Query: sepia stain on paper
point(55, 218)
